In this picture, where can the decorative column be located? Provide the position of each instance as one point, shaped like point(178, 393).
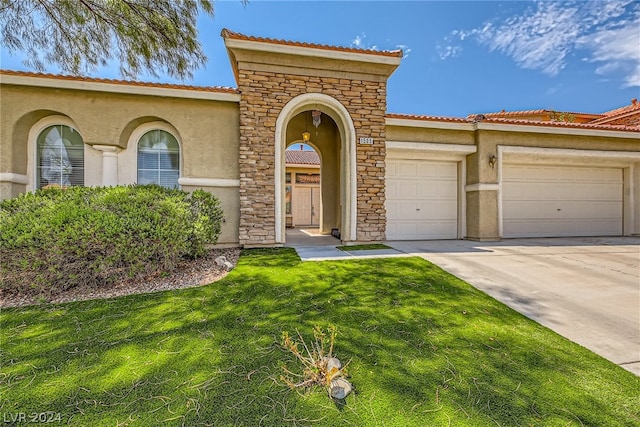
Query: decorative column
point(109, 164)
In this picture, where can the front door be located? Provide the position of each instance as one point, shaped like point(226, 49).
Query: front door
point(306, 206)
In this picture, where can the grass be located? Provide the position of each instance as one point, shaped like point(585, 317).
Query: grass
point(366, 247)
point(426, 349)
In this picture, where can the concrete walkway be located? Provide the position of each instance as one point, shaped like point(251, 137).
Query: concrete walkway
point(586, 289)
point(311, 246)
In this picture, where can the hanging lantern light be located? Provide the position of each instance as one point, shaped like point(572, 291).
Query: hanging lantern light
point(317, 117)
point(306, 135)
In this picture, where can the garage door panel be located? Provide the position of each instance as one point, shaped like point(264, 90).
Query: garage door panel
point(390, 168)
point(439, 210)
point(407, 190)
point(447, 190)
point(402, 210)
point(563, 191)
point(422, 200)
point(426, 170)
point(408, 230)
point(406, 169)
point(526, 210)
point(563, 228)
point(546, 201)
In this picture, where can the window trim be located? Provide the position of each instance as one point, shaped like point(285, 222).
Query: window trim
point(141, 130)
point(32, 144)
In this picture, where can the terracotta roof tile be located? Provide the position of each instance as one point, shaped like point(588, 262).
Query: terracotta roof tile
point(426, 118)
point(226, 33)
point(515, 113)
point(563, 124)
point(628, 115)
point(635, 105)
point(484, 119)
point(119, 82)
point(536, 112)
point(300, 157)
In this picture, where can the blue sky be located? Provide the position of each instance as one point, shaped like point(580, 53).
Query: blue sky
point(459, 57)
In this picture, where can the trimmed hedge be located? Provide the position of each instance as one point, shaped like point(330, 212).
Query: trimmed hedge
point(56, 239)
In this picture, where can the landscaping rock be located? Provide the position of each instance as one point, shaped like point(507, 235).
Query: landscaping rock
point(227, 265)
point(333, 362)
point(220, 261)
point(340, 388)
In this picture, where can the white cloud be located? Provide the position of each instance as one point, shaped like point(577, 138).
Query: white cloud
point(448, 51)
point(618, 48)
point(359, 42)
point(406, 50)
point(553, 90)
point(545, 35)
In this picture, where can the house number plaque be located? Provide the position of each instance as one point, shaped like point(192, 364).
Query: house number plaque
point(366, 141)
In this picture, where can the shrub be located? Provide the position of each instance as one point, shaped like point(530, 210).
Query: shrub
point(56, 239)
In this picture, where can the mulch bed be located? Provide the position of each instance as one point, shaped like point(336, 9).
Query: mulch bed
point(190, 273)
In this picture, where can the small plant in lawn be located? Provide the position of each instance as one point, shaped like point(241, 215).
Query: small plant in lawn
point(319, 366)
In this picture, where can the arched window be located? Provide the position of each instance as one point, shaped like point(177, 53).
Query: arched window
point(60, 157)
point(158, 159)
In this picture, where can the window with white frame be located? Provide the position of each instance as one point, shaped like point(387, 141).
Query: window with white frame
point(60, 157)
point(158, 159)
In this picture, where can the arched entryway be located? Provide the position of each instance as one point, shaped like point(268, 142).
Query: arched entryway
point(334, 140)
point(303, 201)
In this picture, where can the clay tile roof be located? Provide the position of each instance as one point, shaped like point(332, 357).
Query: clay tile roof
point(635, 105)
point(476, 118)
point(562, 124)
point(628, 115)
point(516, 113)
point(300, 157)
point(119, 82)
point(426, 118)
point(237, 36)
point(536, 112)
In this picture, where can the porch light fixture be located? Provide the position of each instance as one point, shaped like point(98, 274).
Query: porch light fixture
point(492, 161)
point(306, 136)
point(316, 115)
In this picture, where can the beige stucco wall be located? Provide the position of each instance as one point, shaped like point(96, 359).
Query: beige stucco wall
point(635, 193)
point(206, 129)
point(492, 138)
point(426, 134)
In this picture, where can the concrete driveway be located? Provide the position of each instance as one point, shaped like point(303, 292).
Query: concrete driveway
point(586, 289)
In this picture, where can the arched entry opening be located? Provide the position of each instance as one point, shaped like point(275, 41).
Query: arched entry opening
point(333, 139)
point(303, 201)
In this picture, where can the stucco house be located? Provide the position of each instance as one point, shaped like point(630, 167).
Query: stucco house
point(384, 176)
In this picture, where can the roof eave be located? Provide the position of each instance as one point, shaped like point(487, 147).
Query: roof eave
point(133, 88)
point(512, 126)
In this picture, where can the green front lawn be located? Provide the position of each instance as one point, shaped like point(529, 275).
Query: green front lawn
point(426, 349)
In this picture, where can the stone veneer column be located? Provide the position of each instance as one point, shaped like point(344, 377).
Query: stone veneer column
point(263, 95)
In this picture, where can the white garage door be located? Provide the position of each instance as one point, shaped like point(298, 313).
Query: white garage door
point(421, 200)
point(549, 201)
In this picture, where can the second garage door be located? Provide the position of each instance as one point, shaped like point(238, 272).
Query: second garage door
point(550, 201)
point(421, 200)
